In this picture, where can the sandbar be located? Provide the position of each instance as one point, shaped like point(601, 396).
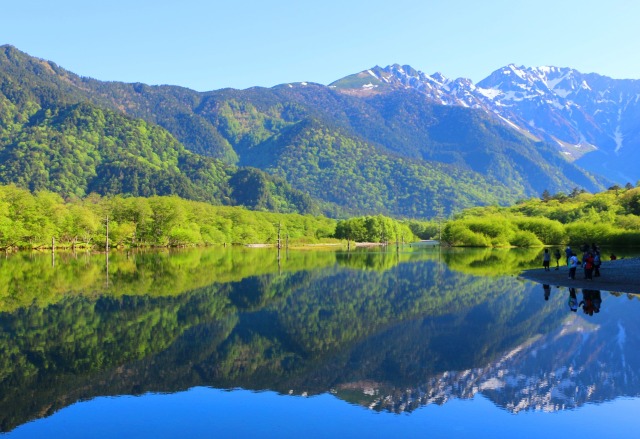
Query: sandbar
point(621, 275)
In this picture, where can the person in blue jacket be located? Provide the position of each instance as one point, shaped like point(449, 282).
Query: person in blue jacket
point(568, 252)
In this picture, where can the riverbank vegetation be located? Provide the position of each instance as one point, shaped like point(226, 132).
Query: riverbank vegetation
point(44, 219)
point(609, 218)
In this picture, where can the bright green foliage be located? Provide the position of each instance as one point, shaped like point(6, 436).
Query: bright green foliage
point(458, 234)
point(374, 229)
point(525, 238)
point(606, 218)
point(545, 230)
point(631, 201)
point(31, 221)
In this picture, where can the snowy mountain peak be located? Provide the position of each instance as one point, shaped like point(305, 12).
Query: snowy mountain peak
point(439, 77)
point(591, 118)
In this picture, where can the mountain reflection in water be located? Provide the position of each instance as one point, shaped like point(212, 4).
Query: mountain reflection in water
point(383, 329)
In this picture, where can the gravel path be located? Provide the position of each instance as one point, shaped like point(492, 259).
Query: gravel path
point(622, 275)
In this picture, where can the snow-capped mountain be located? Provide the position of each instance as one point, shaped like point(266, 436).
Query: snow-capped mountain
point(591, 118)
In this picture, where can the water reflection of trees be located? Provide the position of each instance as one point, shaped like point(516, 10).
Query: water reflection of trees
point(306, 324)
point(492, 262)
point(30, 279)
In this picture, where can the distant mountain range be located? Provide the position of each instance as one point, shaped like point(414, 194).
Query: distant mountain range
point(392, 141)
point(592, 119)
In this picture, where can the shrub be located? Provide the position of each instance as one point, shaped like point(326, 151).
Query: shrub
point(524, 238)
point(548, 231)
point(581, 233)
point(458, 234)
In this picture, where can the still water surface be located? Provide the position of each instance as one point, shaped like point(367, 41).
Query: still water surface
point(379, 343)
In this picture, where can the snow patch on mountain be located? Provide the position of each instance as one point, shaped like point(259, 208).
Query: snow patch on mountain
point(489, 93)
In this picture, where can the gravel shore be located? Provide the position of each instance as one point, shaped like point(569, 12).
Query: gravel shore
point(622, 275)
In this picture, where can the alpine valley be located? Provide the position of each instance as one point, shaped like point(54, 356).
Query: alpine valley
point(387, 140)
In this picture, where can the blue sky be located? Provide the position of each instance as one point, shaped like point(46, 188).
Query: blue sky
point(208, 45)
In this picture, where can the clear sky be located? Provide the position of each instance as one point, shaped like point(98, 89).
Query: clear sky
point(208, 45)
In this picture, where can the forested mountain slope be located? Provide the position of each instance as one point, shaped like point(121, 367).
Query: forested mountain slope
point(77, 148)
point(399, 153)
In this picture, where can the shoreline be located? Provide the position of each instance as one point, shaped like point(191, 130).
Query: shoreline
point(621, 276)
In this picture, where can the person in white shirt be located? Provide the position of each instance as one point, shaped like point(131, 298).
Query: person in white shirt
point(573, 265)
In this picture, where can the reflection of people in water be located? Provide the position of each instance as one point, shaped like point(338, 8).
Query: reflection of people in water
point(547, 291)
point(596, 298)
point(591, 301)
point(573, 300)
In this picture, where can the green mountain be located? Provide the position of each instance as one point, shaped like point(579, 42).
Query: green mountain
point(394, 153)
point(49, 141)
point(353, 173)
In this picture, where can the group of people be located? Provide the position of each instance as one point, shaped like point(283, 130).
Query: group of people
point(591, 261)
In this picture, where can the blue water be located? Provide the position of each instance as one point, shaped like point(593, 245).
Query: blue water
point(238, 344)
point(206, 413)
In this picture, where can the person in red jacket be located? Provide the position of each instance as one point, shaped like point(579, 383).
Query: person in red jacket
point(588, 266)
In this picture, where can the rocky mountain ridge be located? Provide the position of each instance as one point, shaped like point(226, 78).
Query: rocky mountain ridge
point(591, 118)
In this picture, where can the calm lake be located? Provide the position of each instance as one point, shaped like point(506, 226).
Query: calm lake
point(233, 343)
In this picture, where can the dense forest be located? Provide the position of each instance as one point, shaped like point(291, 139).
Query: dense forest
point(610, 217)
point(77, 149)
